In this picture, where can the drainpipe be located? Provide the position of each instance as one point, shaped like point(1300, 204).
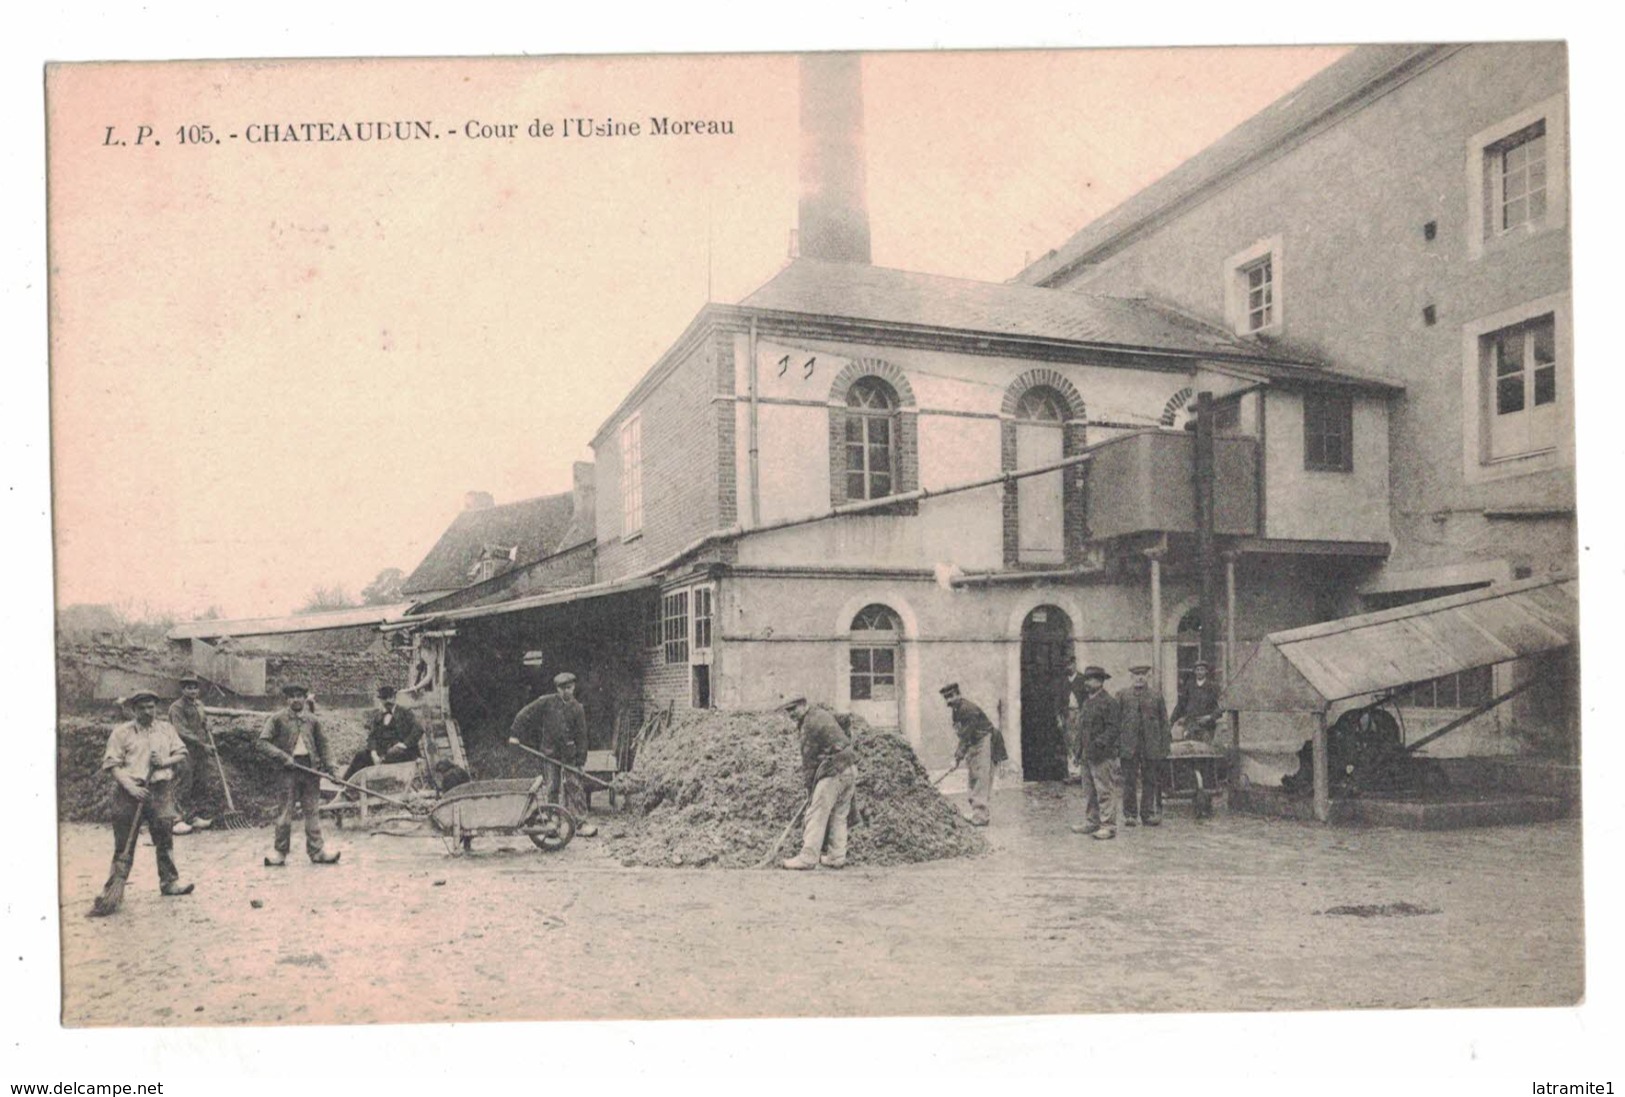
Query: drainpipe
point(1205, 556)
point(1155, 556)
point(755, 434)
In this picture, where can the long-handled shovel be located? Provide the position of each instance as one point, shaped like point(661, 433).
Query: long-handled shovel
point(773, 850)
point(232, 819)
point(359, 788)
point(944, 777)
point(113, 893)
point(600, 782)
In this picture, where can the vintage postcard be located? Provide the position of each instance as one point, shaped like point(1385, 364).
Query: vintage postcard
point(815, 535)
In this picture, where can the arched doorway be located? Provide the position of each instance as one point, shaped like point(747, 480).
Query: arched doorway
point(1046, 641)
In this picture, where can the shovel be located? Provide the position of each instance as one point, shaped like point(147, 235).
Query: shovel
point(600, 782)
point(359, 788)
point(944, 777)
point(773, 850)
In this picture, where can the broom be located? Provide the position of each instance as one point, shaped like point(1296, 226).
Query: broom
point(113, 894)
point(232, 819)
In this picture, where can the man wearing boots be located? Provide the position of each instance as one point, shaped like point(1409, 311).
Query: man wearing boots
point(1143, 717)
point(981, 747)
point(142, 756)
point(1099, 757)
point(392, 735)
point(293, 737)
point(186, 716)
point(556, 725)
point(830, 766)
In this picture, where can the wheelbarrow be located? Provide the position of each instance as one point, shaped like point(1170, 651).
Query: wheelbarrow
point(502, 807)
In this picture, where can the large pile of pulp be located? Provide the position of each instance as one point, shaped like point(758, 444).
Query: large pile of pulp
point(719, 787)
point(85, 793)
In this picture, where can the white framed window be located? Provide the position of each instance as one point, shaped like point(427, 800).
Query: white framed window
point(701, 638)
point(632, 477)
point(1518, 402)
point(674, 626)
point(1253, 285)
point(1520, 383)
point(873, 655)
point(1517, 178)
point(699, 656)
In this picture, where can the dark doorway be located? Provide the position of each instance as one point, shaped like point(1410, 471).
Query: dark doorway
point(1046, 641)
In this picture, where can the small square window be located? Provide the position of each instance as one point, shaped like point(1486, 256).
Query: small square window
point(1253, 288)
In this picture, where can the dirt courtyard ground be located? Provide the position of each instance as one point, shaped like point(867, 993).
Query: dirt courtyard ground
point(1227, 914)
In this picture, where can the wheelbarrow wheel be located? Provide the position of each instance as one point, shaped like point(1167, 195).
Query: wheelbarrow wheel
point(550, 828)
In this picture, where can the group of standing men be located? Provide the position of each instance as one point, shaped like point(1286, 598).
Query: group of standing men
point(1122, 743)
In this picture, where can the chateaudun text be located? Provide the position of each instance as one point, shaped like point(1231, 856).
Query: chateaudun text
point(146, 135)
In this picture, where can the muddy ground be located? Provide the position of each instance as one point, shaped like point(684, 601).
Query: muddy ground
point(1229, 914)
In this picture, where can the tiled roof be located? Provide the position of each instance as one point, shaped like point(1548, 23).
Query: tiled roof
point(859, 292)
point(534, 526)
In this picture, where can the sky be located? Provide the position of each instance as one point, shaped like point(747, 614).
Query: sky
point(278, 366)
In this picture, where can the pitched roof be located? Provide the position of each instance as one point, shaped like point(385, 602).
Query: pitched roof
point(355, 617)
point(1356, 79)
point(532, 526)
point(860, 292)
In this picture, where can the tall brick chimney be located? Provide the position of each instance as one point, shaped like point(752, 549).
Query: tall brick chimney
point(478, 500)
point(833, 211)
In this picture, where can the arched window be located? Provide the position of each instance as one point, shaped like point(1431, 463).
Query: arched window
point(875, 636)
point(871, 439)
point(1041, 405)
point(1040, 500)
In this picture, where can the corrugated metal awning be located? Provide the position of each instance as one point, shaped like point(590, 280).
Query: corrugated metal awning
point(426, 615)
point(1306, 669)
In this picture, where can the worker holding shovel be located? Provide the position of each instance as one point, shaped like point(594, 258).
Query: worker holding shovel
point(142, 756)
point(555, 725)
point(293, 737)
point(830, 765)
point(981, 747)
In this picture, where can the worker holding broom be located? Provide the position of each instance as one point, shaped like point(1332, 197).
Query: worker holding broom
point(294, 738)
point(556, 725)
point(142, 756)
point(830, 766)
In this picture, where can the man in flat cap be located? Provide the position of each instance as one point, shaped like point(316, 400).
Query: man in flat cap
point(293, 737)
point(980, 748)
point(186, 716)
point(556, 725)
point(1099, 743)
point(393, 735)
point(1198, 706)
point(141, 757)
point(1143, 717)
point(829, 765)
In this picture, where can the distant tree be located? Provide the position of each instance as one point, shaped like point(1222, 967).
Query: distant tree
point(385, 590)
point(213, 613)
point(323, 599)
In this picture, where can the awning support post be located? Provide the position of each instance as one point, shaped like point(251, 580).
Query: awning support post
point(1323, 780)
point(1155, 556)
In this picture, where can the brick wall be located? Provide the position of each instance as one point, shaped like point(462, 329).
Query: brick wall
point(664, 683)
point(688, 488)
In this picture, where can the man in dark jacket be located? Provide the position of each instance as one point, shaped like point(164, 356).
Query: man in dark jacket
point(1143, 717)
point(830, 767)
point(1198, 706)
point(293, 737)
point(981, 747)
point(1098, 752)
point(393, 735)
point(556, 725)
point(186, 716)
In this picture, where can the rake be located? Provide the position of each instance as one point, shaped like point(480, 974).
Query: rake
point(232, 819)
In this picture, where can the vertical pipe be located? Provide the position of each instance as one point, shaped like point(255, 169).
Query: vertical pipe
point(755, 432)
point(1323, 782)
point(1229, 616)
point(1205, 555)
point(1156, 619)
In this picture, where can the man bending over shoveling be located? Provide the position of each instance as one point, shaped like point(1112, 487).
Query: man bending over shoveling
point(294, 738)
point(830, 765)
point(142, 756)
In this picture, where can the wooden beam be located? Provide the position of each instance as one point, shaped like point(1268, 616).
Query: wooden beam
point(1323, 781)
